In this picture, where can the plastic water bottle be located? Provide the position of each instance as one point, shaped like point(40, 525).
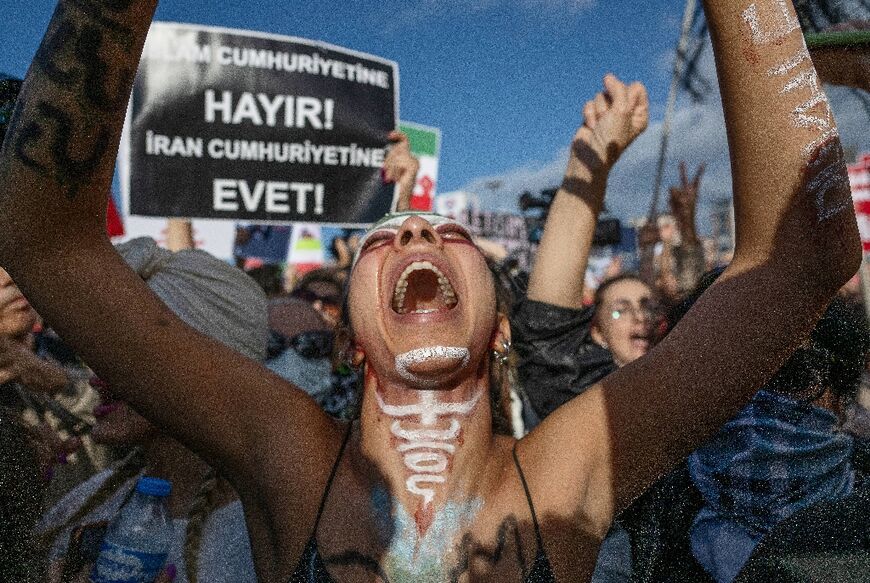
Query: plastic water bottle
point(137, 541)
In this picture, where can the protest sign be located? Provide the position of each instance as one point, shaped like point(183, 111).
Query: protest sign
point(229, 124)
point(306, 246)
point(425, 144)
point(505, 229)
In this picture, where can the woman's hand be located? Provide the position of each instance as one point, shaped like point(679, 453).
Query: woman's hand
point(684, 203)
point(612, 120)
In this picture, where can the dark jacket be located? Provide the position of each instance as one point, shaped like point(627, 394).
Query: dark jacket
point(557, 358)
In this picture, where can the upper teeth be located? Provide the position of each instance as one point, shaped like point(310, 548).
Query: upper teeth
point(444, 286)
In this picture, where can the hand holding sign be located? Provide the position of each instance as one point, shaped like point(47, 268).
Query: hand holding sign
point(401, 167)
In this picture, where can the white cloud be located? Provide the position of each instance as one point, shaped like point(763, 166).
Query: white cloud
point(697, 135)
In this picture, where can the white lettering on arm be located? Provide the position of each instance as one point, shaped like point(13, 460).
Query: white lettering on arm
point(826, 177)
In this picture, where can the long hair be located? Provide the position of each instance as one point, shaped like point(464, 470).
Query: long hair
point(128, 468)
point(204, 503)
point(832, 358)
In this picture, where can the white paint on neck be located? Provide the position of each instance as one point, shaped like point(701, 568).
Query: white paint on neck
point(426, 449)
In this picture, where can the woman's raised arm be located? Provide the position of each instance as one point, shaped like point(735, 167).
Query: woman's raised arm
point(796, 244)
point(56, 168)
point(611, 122)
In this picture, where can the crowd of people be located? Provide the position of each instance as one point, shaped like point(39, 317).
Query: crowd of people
point(416, 411)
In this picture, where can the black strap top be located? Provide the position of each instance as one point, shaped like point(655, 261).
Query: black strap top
point(542, 571)
point(311, 568)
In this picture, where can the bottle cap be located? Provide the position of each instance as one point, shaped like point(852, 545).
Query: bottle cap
point(153, 487)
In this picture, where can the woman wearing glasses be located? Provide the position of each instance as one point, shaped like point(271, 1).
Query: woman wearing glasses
point(564, 347)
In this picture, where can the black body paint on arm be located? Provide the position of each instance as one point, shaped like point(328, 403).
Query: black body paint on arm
point(64, 168)
point(69, 143)
point(468, 549)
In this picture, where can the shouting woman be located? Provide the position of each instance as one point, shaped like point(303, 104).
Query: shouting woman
point(420, 488)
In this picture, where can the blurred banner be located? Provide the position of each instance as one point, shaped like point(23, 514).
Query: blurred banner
point(507, 230)
point(229, 124)
point(453, 204)
point(268, 243)
point(859, 179)
point(306, 246)
point(425, 146)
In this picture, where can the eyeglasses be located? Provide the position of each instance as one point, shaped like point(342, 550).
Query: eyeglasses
point(647, 311)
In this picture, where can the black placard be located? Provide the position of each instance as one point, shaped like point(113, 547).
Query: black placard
point(229, 124)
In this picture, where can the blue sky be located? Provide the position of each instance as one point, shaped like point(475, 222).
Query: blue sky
point(505, 80)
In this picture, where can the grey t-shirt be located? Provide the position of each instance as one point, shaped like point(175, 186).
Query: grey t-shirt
point(224, 553)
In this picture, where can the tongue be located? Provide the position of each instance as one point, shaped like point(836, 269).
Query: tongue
point(423, 292)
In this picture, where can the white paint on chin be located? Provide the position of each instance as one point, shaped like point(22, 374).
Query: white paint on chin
point(406, 359)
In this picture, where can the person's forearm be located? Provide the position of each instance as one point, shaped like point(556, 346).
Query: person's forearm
point(179, 235)
point(687, 227)
point(562, 257)
point(59, 152)
point(791, 191)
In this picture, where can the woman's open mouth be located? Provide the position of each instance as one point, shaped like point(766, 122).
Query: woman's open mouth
point(640, 342)
point(422, 288)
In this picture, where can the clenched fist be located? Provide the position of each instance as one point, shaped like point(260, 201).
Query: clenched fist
point(612, 121)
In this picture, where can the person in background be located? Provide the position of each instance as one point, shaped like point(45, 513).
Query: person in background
point(211, 541)
point(298, 472)
point(18, 361)
point(562, 347)
point(400, 168)
point(783, 453)
point(43, 384)
point(302, 338)
point(687, 254)
point(680, 265)
point(591, 342)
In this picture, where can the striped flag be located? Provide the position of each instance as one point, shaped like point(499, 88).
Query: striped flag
point(859, 179)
